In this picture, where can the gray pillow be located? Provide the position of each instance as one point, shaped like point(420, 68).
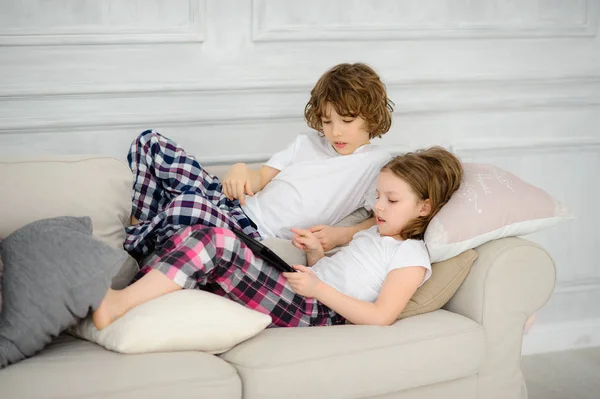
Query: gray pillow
point(1, 267)
point(54, 272)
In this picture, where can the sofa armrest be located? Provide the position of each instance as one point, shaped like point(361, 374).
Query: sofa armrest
point(510, 280)
point(511, 275)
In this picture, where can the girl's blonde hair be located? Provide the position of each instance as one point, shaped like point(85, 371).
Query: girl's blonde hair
point(434, 174)
point(353, 90)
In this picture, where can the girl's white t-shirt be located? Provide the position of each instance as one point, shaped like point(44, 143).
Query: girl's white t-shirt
point(359, 269)
point(315, 185)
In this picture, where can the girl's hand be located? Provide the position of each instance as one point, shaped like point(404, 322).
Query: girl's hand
point(329, 236)
point(307, 241)
point(304, 281)
point(237, 183)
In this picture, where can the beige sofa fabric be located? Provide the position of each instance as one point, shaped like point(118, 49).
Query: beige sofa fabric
point(470, 349)
point(511, 279)
point(460, 388)
point(71, 368)
point(95, 186)
point(446, 278)
point(358, 361)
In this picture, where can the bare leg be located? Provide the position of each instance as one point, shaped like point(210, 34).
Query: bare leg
point(118, 302)
point(134, 221)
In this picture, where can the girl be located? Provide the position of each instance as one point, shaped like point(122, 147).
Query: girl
point(316, 181)
point(368, 282)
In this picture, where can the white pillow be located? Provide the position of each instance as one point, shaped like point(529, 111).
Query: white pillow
point(180, 321)
point(491, 203)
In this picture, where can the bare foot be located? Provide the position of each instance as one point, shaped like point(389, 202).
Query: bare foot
point(108, 311)
point(529, 324)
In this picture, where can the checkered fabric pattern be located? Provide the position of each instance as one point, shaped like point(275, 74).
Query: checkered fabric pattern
point(171, 190)
point(216, 260)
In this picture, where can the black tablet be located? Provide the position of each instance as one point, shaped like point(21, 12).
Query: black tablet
point(264, 252)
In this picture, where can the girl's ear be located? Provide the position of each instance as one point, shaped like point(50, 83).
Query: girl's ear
point(425, 208)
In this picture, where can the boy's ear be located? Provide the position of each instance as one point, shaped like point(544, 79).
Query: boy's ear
point(425, 208)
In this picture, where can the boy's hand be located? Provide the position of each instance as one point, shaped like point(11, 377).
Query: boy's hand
point(237, 183)
point(304, 281)
point(306, 241)
point(329, 236)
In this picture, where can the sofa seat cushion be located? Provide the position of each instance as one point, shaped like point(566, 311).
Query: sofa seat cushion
point(73, 368)
point(352, 361)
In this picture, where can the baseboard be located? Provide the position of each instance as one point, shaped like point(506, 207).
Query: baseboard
point(554, 337)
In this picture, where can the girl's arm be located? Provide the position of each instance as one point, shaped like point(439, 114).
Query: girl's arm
point(307, 241)
point(398, 287)
point(332, 237)
point(241, 180)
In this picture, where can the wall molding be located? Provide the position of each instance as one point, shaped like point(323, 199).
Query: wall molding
point(194, 32)
point(70, 107)
point(299, 31)
point(567, 335)
point(577, 286)
point(537, 144)
point(559, 145)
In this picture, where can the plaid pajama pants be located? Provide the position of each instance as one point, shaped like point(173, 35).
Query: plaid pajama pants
point(171, 190)
point(216, 260)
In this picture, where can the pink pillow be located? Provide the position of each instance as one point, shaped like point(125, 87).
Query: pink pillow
point(491, 203)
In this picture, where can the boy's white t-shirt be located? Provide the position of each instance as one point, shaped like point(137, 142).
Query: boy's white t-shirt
point(359, 269)
point(315, 185)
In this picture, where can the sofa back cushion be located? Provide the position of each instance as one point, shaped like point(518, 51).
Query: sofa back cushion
point(446, 278)
point(94, 186)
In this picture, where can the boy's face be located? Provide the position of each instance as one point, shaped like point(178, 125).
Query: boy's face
point(396, 205)
point(344, 133)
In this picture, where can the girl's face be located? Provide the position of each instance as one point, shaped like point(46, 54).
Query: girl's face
point(344, 133)
point(396, 205)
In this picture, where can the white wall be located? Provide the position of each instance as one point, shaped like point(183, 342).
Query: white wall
point(510, 82)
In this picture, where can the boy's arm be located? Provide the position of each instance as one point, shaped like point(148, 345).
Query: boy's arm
point(398, 287)
point(259, 178)
point(241, 180)
point(265, 175)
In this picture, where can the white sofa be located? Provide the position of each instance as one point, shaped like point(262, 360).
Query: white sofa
point(469, 349)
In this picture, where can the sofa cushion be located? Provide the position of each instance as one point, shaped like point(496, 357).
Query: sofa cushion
point(367, 360)
point(95, 186)
point(446, 278)
point(179, 321)
point(70, 368)
point(491, 203)
point(55, 271)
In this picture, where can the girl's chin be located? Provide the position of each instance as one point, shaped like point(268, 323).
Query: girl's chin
point(386, 233)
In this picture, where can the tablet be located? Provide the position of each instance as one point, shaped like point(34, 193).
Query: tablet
point(264, 252)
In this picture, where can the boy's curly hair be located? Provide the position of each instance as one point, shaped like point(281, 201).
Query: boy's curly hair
point(353, 90)
point(433, 173)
